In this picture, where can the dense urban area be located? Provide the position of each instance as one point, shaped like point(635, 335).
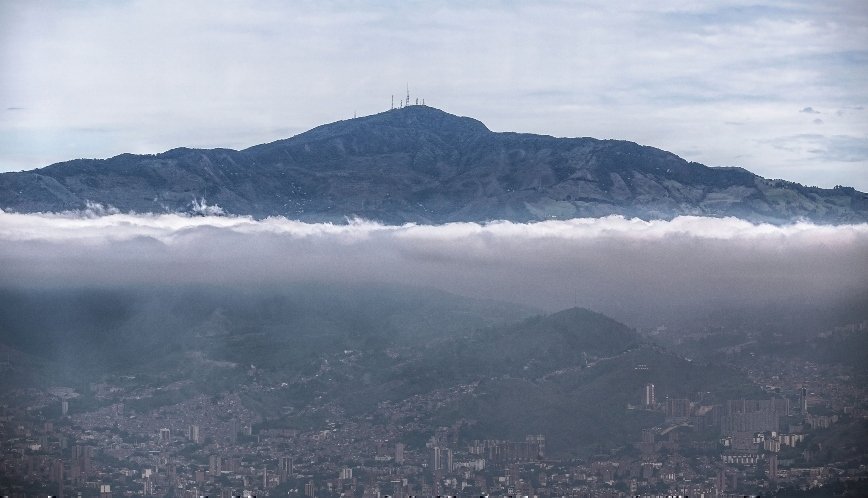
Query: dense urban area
point(803, 436)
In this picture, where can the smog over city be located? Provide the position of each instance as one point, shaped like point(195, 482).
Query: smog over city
point(369, 249)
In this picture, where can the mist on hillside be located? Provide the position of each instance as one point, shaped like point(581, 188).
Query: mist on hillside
point(641, 272)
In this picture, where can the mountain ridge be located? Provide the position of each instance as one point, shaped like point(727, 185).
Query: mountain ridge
point(416, 356)
point(421, 164)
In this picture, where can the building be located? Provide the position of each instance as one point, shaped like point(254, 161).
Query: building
point(165, 435)
point(648, 436)
point(649, 399)
point(284, 469)
point(747, 415)
point(538, 440)
point(194, 433)
point(531, 449)
point(435, 460)
point(440, 459)
point(399, 453)
point(81, 456)
point(678, 408)
point(773, 468)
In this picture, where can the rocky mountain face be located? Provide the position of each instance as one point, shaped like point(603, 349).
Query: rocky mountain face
point(420, 164)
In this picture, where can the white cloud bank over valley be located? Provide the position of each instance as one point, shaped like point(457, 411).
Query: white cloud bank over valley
point(614, 265)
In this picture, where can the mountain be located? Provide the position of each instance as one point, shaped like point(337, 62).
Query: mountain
point(86, 330)
point(420, 164)
point(411, 358)
point(572, 373)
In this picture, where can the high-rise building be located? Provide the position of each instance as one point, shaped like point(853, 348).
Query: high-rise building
point(397, 488)
point(648, 436)
point(513, 475)
point(194, 433)
point(538, 440)
point(773, 468)
point(57, 475)
point(440, 459)
point(284, 468)
point(803, 400)
point(215, 464)
point(148, 486)
point(57, 470)
point(399, 453)
point(649, 398)
point(677, 407)
point(64, 408)
point(436, 459)
point(105, 491)
point(346, 473)
point(84, 454)
point(165, 435)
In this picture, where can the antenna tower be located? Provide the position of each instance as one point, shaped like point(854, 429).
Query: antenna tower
point(408, 94)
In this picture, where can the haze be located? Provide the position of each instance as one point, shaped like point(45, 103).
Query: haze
point(634, 270)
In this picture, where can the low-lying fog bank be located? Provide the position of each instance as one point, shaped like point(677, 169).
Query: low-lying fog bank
point(634, 270)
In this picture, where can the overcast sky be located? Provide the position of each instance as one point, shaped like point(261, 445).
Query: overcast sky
point(780, 88)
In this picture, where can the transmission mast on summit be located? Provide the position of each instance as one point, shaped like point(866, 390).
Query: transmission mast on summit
point(408, 94)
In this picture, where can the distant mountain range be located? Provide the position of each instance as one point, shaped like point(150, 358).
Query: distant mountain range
point(420, 164)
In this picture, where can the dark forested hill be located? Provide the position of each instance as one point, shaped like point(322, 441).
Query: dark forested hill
point(303, 352)
point(420, 164)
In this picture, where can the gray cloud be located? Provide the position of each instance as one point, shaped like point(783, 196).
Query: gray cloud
point(846, 148)
point(631, 269)
point(809, 110)
point(839, 148)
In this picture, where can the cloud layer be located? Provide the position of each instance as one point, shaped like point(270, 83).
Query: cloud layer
point(620, 266)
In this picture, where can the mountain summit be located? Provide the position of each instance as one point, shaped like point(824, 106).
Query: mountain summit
point(420, 164)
